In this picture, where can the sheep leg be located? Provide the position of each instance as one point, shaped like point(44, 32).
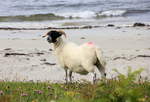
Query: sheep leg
point(66, 78)
point(94, 77)
point(70, 76)
point(101, 69)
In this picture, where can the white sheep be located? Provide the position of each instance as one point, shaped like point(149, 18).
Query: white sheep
point(81, 59)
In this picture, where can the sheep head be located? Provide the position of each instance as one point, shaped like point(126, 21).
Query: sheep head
point(53, 35)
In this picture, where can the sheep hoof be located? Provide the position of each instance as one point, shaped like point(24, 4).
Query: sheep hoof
point(94, 78)
point(94, 81)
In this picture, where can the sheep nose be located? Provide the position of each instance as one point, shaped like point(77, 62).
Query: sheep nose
point(49, 39)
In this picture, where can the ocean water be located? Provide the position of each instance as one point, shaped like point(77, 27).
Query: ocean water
point(73, 12)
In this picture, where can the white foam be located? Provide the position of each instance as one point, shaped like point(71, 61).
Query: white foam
point(112, 13)
point(91, 14)
point(83, 14)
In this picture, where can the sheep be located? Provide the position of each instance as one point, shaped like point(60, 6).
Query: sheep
point(81, 59)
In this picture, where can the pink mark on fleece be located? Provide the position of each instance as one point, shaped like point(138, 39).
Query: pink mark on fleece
point(90, 43)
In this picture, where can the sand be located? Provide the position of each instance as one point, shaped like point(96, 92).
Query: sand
point(34, 58)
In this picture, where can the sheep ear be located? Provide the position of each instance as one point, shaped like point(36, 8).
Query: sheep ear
point(63, 33)
point(46, 34)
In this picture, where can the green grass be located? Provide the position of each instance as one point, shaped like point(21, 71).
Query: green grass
point(121, 89)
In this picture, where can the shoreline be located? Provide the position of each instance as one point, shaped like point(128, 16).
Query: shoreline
point(67, 25)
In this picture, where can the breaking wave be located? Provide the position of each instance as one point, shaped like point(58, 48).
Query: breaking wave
point(71, 15)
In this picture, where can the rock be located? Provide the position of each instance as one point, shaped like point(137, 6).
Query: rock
point(14, 54)
point(82, 38)
point(47, 63)
point(118, 28)
point(143, 55)
point(39, 53)
point(138, 24)
point(27, 58)
point(8, 49)
point(110, 25)
point(43, 59)
point(50, 49)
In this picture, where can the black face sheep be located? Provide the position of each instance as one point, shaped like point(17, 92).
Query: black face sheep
point(81, 59)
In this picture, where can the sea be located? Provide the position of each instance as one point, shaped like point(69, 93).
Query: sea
point(58, 13)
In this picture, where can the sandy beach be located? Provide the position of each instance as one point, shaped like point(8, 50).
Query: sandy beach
point(26, 56)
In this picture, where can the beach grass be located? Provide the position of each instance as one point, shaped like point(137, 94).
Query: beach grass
point(120, 89)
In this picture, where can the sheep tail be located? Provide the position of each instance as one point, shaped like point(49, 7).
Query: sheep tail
point(100, 57)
